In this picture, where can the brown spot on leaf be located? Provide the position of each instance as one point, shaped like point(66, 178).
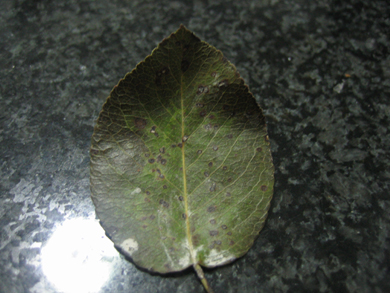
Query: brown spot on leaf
point(184, 65)
point(231, 242)
point(224, 168)
point(156, 134)
point(229, 233)
point(163, 161)
point(199, 152)
point(212, 221)
point(151, 161)
point(206, 174)
point(147, 192)
point(202, 89)
point(144, 226)
point(153, 129)
point(195, 239)
point(94, 152)
point(180, 145)
point(224, 227)
point(218, 242)
point(162, 176)
point(215, 148)
point(143, 218)
point(147, 155)
point(184, 216)
point(230, 136)
point(140, 123)
point(164, 203)
point(210, 164)
point(185, 138)
point(211, 117)
point(165, 187)
point(216, 126)
point(229, 180)
point(213, 74)
point(211, 209)
point(202, 113)
point(228, 194)
point(173, 146)
point(264, 187)
point(199, 105)
point(162, 150)
point(152, 217)
point(259, 149)
point(181, 198)
point(214, 233)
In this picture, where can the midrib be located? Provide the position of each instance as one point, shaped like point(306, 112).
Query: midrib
point(185, 194)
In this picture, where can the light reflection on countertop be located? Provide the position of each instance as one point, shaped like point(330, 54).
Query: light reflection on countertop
point(78, 257)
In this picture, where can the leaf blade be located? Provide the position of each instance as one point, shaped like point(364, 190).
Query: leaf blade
point(181, 170)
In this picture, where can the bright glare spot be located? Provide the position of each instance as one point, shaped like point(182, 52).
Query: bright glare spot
point(78, 257)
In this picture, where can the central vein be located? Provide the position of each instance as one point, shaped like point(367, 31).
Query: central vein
point(187, 211)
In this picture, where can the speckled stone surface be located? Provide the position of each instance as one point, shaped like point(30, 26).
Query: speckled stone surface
point(319, 69)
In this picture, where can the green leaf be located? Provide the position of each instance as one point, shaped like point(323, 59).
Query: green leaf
point(181, 168)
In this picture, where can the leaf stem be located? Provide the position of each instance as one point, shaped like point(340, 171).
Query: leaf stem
point(202, 278)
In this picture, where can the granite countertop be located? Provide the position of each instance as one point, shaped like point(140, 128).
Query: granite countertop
point(319, 69)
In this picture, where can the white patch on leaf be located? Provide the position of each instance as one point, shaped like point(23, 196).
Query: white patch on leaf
point(216, 258)
point(129, 245)
point(136, 191)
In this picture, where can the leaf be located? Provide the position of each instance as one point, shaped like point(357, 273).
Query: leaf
point(181, 169)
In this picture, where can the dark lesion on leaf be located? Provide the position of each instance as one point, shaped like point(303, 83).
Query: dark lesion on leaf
point(214, 233)
point(164, 203)
point(160, 74)
point(140, 123)
point(184, 65)
point(211, 209)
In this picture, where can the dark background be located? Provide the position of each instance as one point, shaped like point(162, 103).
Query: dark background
point(319, 69)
